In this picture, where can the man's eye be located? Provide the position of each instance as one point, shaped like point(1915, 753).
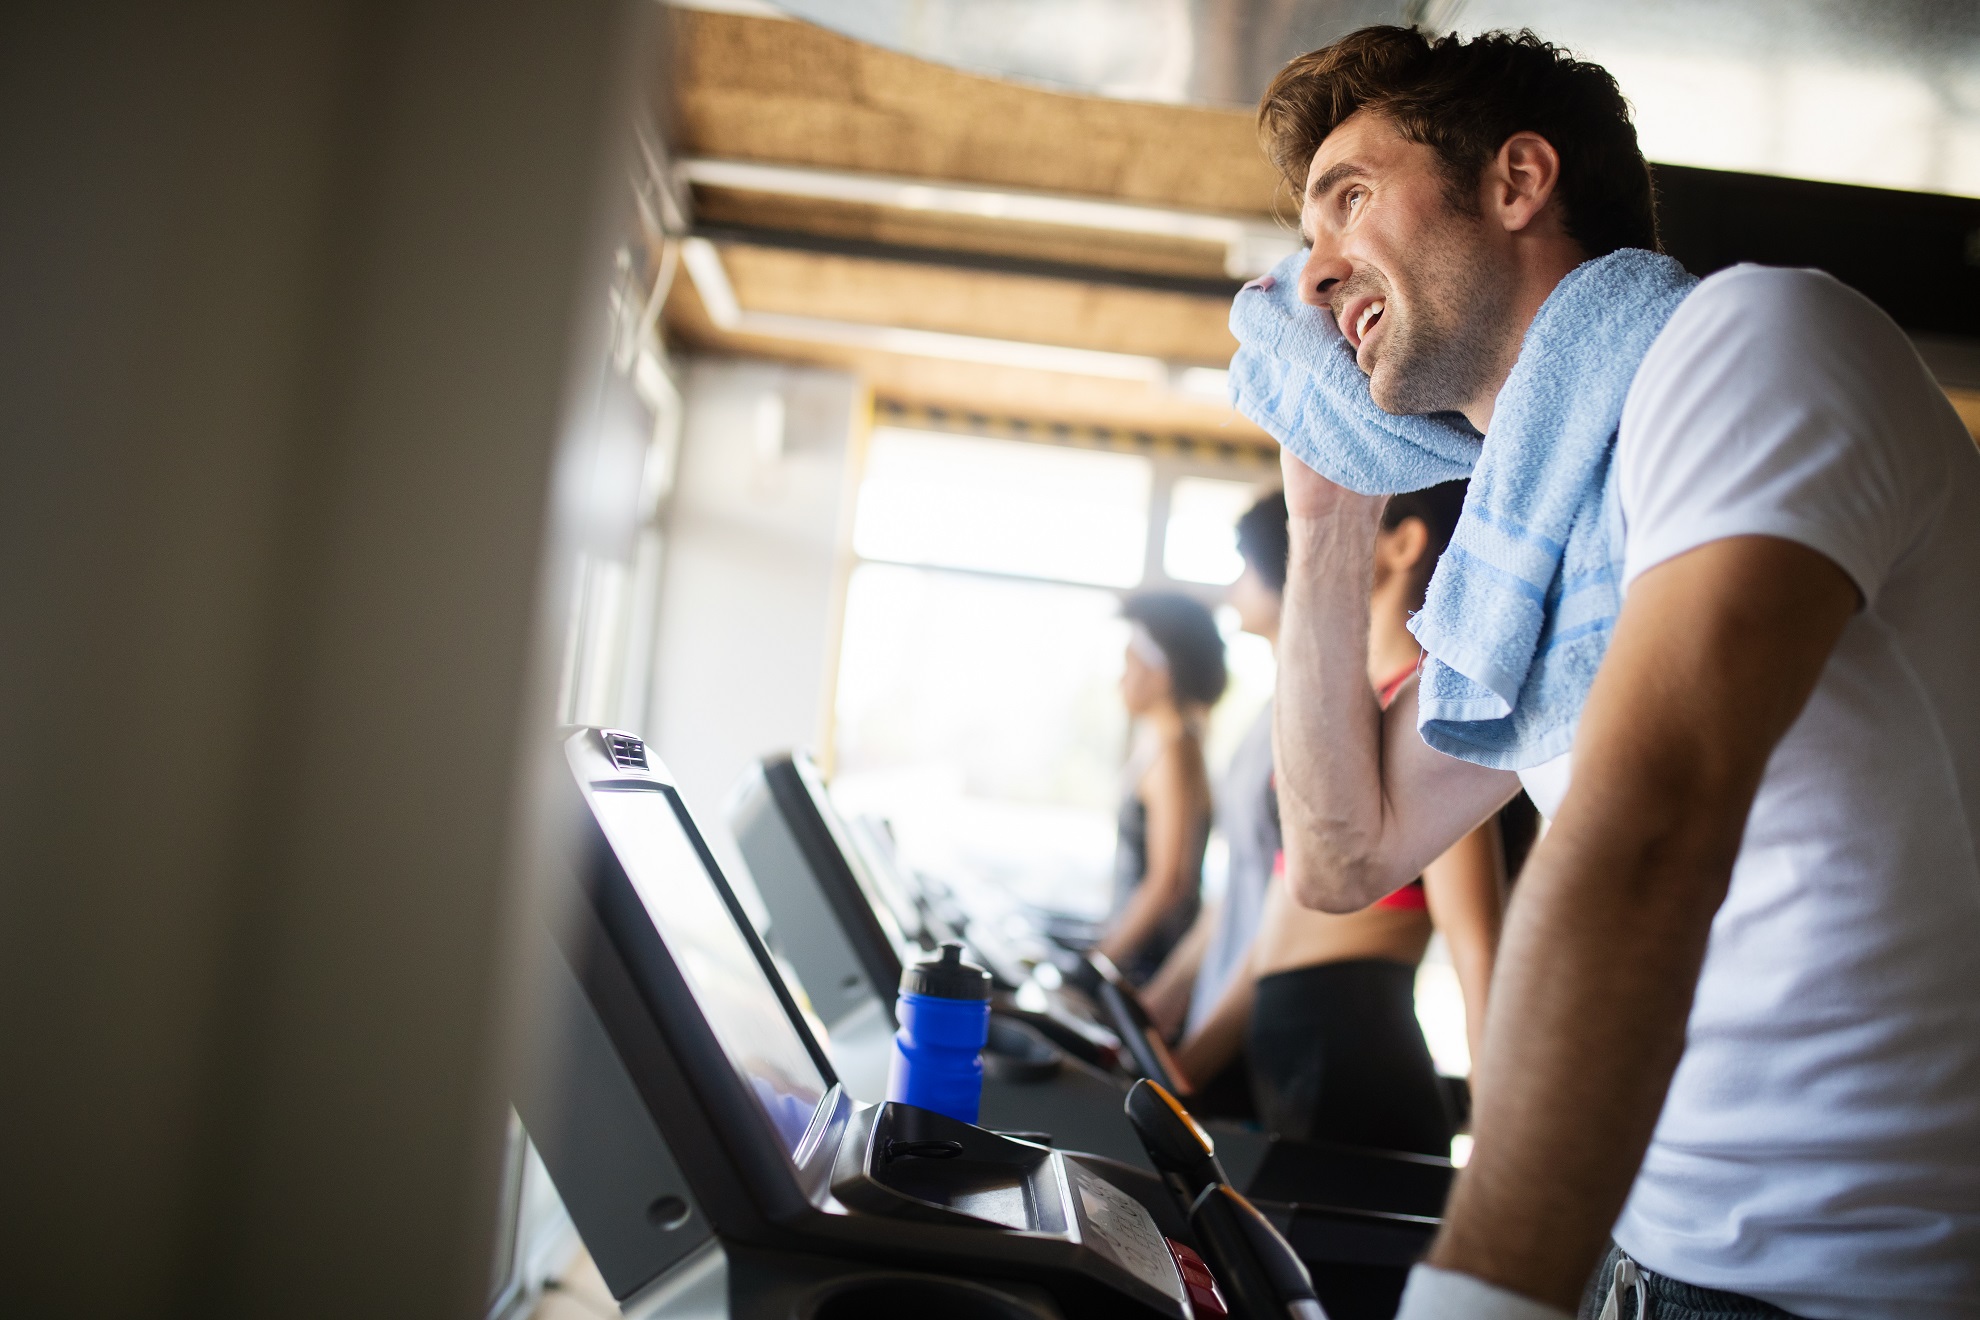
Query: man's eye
point(1354, 198)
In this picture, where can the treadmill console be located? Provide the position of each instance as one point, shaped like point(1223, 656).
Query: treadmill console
point(777, 1156)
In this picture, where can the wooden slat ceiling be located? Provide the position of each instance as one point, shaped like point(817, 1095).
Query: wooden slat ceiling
point(788, 93)
point(1174, 327)
point(785, 92)
point(971, 387)
point(775, 90)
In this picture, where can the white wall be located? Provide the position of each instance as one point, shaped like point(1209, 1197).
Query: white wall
point(754, 567)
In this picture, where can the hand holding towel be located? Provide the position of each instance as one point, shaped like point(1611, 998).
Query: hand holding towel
point(1521, 606)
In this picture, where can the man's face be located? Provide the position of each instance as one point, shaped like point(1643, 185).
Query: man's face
point(1419, 288)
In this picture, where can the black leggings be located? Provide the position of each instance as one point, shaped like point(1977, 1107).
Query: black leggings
point(1336, 1055)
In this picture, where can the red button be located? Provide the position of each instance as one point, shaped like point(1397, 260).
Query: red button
point(1201, 1285)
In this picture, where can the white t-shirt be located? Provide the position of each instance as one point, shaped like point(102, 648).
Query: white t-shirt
point(1820, 1148)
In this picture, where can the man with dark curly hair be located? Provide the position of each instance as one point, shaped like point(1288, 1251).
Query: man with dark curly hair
point(1711, 600)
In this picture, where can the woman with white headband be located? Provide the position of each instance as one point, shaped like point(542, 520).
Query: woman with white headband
point(1172, 675)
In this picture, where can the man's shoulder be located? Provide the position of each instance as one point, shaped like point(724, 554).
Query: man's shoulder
point(1756, 335)
point(1771, 304)
point(1784, 403)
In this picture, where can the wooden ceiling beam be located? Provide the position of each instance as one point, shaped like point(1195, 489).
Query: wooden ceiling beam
point(790, 92)
point(1040, 396)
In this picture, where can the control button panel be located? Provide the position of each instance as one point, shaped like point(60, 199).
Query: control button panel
point(1120, 1228)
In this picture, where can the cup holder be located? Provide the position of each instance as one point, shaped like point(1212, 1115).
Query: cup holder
point(915, 1297)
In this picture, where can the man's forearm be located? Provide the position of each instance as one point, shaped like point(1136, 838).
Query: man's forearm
point(1593, 989)
point(1364, 802)
point(1327, 725)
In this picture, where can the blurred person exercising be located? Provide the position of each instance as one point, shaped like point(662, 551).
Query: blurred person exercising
point(1171, 676)
point(1182, 994)
point(1712, 607)
point(1323, 1011)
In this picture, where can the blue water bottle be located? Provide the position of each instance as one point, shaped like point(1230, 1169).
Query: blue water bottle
point(944, 1012)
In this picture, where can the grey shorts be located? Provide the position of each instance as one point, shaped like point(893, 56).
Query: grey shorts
point(1668, 1299)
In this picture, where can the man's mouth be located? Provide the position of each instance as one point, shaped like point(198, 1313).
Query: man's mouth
point(1366, 321)
point(1358, 316)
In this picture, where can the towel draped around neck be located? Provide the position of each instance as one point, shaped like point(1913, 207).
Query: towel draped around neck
point(1521, 606)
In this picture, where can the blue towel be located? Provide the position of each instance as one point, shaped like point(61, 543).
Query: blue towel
point(1521, 606)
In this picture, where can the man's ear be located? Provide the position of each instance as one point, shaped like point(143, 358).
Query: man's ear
point(1521, 180)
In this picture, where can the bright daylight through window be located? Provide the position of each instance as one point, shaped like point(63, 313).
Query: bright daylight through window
point(1075, 515)
point(978, 709)
point(1197, 545)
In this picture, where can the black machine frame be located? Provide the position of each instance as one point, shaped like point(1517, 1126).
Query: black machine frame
point(753, 1196)
point(826, 855)
point(672, 1055)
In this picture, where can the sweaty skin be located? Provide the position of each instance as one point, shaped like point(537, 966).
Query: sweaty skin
point(1713, 656)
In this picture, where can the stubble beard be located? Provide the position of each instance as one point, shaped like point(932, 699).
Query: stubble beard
point(1450, 345)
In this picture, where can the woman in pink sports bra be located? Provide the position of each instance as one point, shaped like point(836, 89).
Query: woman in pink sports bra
point(1325, 1013)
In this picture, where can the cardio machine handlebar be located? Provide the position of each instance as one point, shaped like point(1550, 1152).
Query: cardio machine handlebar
point(1261, 1277)
point(1125, 1013)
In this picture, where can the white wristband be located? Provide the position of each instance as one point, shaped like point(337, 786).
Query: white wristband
point(1435, 1294)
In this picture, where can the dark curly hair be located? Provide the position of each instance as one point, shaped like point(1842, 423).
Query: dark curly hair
point(1463, 99)
point(1189, 639)
point(1263, 540)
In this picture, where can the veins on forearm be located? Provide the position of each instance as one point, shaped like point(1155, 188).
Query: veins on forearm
point(1329, 734)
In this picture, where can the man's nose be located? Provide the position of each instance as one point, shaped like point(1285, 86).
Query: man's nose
point(1323, 272)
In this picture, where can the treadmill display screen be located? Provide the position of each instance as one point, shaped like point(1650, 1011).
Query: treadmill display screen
point(717, 961)
point(890, 902)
